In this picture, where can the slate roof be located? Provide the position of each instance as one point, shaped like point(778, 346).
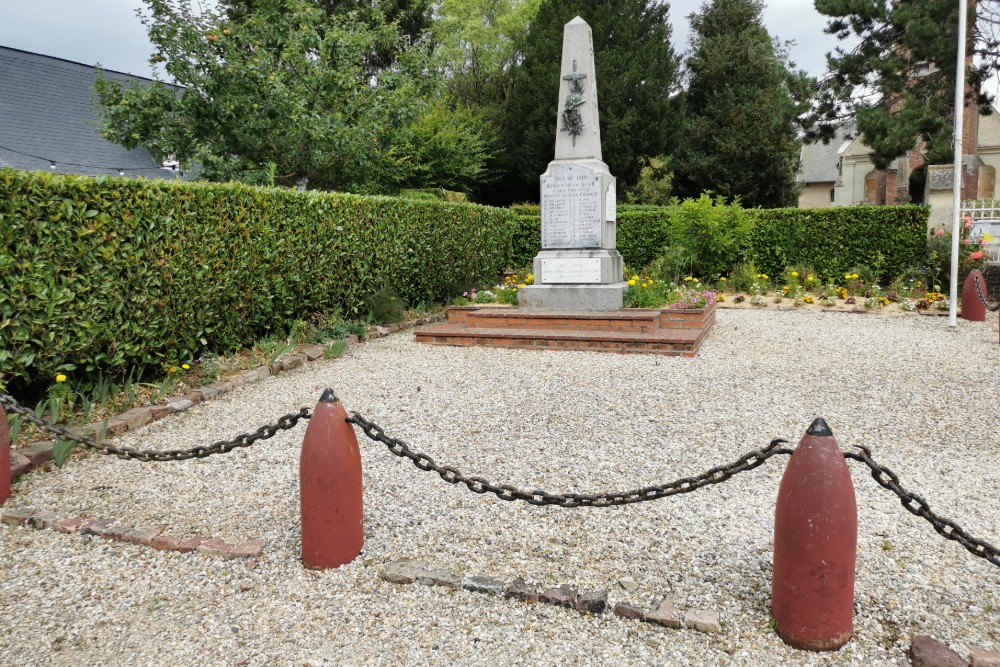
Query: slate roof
point(48, 112)
point(818, 162)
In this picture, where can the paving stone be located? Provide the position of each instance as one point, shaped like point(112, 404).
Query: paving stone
point(519, 590)
point(352, 340)
point(666, 614)
point(593, 602)
point(562, 596)
point(208, 392)
point(17, 517)
point(312, 352)
point(136, 417)
point(119, 531)
point(213, 547)
point(480, 583)
point(143, 535)
point(37, 452)
point(189, 545)
point(160, 411)
point(166, 542)
point(382, 331)
point(703, 620)
point(248, 549)
point(440, 577)
point(43, 520)
point(626, 610)
point(928, 652)
point(98, 527)
point(403, 571)
point(179, 403)
point(263, 372)
point(980, 657)
point(251, 376)
point(394, 327)
point(236, 381)
point(221, 387)
point(19, 464)
point(70, 526)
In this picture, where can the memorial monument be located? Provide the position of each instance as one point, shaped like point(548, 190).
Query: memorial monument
point(578, 267)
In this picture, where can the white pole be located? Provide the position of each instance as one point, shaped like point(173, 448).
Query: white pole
point(956, 229)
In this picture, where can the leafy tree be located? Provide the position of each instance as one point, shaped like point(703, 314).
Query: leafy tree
point(898, 81)
point(275, 91)
point(636, 72)
point(740, 110)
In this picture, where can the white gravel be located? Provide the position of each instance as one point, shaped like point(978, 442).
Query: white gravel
point(921, 394)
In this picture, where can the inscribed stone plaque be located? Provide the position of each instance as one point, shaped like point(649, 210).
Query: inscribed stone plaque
point(571, 208)
point(562, 270)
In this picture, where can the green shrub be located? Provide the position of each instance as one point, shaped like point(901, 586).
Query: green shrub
point(107, 274)
point(709, 233)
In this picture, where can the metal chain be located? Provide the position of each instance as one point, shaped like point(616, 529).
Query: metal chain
point(222, 447)
point(748, 461)
point(982, 297)
point(915, 504)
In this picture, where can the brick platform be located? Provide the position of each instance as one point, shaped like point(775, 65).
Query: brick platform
point(627, 331)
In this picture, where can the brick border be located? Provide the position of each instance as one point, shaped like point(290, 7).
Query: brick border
point(665, 614)
point(148, 536)
point(28, 458)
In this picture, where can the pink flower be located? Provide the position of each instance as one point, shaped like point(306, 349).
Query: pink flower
point(976, 255)
point(982, 241)
point(968, 225)
point(940, 232)
point(965, 241)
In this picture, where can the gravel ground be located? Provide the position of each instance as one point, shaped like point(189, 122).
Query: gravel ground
point(920, 394)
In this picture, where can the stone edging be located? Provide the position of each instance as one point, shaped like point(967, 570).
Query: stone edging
point(148, 536)
point(26, 459)
point(666, 614)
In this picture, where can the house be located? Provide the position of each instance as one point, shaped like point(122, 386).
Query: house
point(49, 120)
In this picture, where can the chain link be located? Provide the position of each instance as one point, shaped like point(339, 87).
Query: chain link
point(476, 484)
point(201, 451)
point(982, 296)
point(915, 504)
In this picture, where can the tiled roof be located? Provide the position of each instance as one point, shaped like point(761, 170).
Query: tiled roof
point(818, 162)
point(48, 110)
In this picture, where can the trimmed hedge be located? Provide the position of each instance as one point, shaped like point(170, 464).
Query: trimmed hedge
point(887, 239)
point(110, 273)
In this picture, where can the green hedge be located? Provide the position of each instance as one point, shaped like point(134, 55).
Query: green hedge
point(111, 273)
point(887, 239)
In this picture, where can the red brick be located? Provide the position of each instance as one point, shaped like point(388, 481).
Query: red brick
point(166, 542)
point(248, 549)
point(187, 546)
point(143, 535)
point(70, 526)
point(213, 547)
point(38, 453)
point(19, 464)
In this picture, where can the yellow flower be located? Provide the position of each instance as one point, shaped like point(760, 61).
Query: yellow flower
point(60, 378)
point(531, 277)
point(722, 279)
point(632, 281)
point(186, 367)
point(988, 238)
point(635, 277)
point(720, 296)
point(760, 275)
point(764, 276)
point(795, 274)
point(855, 276)
point(809, 277)
point(173, 369)
point(644, 285)
point(650, 281)
point(847, 276)
point(520, 285)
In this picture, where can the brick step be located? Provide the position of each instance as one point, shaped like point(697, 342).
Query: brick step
point(632, 320)
point(683, 342)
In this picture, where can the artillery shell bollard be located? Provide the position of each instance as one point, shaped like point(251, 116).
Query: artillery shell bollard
point(330, 488)
point(973, 308)
point(4, 457)
point(815, 546)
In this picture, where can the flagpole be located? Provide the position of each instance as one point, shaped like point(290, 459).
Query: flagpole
point(956, 230)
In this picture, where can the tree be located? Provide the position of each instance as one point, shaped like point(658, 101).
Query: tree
point(898, 81)
point(740, 110)
point(275, 91)
point(636, 72)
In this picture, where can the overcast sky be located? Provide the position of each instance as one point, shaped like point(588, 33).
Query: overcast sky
point(107, 32)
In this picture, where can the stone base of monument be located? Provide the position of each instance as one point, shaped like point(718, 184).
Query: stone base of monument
point(629, 331)
point(573, 297)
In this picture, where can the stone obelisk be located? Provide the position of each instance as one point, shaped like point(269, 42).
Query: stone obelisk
point(578, 267)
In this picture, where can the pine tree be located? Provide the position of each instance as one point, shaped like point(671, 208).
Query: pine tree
point(899, 80)
point(740, 109)
point(636, 71)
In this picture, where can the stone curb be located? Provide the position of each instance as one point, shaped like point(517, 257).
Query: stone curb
point(410, 570)
point(26, 459)
point(119, 531)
